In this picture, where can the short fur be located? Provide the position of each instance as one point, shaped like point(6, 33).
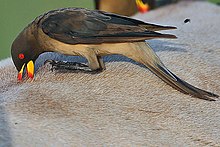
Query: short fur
point(125, 105)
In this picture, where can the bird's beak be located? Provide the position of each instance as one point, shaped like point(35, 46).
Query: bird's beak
point(30, 70)
point(141, 6)
point(20, 73)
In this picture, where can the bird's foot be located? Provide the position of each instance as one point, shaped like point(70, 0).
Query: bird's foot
point(72, 66)
point(97, 71)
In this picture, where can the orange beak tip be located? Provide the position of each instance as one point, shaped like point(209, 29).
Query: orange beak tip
point(19, 76)
point(20, 73)
point(143, 9)
point(31, 76)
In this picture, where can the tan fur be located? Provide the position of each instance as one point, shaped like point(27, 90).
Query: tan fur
point(125, 105)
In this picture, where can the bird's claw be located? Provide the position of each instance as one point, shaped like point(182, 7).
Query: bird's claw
point(64, 65)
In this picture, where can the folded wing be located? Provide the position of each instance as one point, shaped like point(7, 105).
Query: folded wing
point(82, 26)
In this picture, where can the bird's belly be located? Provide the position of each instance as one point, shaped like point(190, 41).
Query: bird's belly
point(98, 49)
point(112, 48)
point(73, 50)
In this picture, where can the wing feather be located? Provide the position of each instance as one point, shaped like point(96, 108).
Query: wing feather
point(77, 25)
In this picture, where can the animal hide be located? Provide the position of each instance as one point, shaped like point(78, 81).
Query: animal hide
point(125, 105)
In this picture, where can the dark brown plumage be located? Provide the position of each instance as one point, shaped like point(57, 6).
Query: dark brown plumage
point(93, 34)
point(90, 27)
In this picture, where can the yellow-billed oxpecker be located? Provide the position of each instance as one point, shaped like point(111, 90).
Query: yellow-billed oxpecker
point(93, 34)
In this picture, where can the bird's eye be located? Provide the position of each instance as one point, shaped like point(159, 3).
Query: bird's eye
point(21, 56)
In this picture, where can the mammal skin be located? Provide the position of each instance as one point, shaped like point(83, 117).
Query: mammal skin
point(93, 34)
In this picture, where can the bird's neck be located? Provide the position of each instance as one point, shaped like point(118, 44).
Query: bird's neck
point(30, 35)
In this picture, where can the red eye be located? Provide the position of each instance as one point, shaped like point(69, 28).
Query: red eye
point(21, 56)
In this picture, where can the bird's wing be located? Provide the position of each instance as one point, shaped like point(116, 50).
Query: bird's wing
point(77, 25)
point(130, 21)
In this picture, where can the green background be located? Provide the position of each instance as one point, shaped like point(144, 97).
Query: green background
point(15, 15)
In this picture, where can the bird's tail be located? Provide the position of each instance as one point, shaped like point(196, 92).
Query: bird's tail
point(155, 27)
point(152, 61)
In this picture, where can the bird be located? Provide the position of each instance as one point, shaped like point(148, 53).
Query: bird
point(124, 7)
point(93, 34)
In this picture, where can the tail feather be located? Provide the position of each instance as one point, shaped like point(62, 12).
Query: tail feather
point(181, 85)
point(154, 27)
point(152, 61)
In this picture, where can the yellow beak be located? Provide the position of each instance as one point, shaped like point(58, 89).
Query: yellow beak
point(30, 70)
point(20, 74)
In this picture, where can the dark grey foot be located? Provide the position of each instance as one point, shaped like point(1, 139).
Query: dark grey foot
point(99, 70)
point(71, 66)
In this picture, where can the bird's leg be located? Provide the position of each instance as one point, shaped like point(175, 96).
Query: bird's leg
point(95, 62)
point(101, 63)
point(62, 65)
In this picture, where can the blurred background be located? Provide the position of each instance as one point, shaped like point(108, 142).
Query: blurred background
point(15, 15)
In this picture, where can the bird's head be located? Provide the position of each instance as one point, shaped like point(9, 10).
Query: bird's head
point(24, 52)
